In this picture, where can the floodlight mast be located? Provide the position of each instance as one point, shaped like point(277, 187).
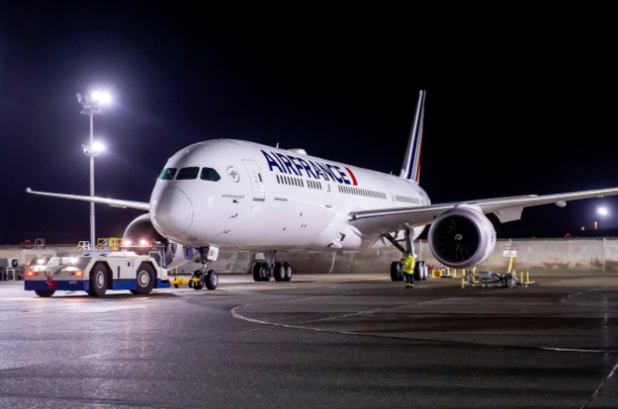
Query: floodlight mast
point(91, 106)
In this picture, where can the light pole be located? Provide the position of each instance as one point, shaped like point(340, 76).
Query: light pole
point(91, 105)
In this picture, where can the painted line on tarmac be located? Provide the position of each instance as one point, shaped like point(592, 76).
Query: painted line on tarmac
point(96, 355)
point(594, 395)
point(238, 315)
point(235, 314)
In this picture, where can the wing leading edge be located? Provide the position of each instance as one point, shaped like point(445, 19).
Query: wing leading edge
point(125, 204)
point(506, 209)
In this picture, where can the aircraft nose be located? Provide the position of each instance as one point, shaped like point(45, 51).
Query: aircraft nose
point(172, 212)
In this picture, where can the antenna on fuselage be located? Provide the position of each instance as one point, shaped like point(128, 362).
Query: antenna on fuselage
point(277, 147)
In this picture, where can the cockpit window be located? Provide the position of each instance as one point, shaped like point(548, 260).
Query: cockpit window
point(188, 173)
point(209, 174)
point(168, 174)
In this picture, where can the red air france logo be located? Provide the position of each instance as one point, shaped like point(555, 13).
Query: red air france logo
point(352, 176)
point(291, 165)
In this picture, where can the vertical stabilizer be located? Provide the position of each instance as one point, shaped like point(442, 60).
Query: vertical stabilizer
point(411, 167)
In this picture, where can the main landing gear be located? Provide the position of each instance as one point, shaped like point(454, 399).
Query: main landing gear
point(406, 246)
point(263, 271)
point(204, 278)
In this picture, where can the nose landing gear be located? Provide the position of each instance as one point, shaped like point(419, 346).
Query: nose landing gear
point(199, 280)
point(204, 277)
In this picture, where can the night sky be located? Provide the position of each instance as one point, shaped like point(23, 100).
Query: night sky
point(515, 104)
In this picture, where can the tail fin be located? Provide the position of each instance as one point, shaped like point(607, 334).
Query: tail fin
point(411, 168)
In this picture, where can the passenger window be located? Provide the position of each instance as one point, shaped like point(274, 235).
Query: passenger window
point(188, 173)
point(210, 174)
point(168, 174)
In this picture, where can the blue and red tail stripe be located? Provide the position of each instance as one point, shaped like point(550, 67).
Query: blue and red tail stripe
point(412, 163)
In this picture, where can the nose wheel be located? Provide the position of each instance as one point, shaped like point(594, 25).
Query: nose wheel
point(201, 279)
point(205, 278)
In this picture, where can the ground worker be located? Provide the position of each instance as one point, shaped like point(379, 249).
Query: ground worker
point(408, 265)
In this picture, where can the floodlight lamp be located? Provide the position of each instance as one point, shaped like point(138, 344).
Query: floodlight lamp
point(603, 211)
point(102, 98)
point(97, 147)
point(93, 150)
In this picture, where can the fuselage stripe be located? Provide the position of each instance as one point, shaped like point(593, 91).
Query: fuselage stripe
point(418, 167)
point(352, 176)
point(415, 158)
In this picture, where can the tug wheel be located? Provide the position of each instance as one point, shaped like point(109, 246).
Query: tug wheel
point(44, 293)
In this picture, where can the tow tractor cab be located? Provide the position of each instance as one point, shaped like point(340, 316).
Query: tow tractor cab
point(96, 272)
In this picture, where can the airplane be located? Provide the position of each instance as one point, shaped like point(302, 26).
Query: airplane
point(233, 194)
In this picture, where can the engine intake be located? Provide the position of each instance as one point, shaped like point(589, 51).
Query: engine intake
point(142, 229)
point(462, 237)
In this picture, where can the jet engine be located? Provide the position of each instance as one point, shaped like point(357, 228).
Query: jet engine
point(141, 232)
point(462, 237)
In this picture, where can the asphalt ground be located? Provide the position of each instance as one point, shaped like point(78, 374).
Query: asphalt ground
point(320, 341)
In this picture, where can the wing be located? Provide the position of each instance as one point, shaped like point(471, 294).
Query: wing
point(125, 204)
point(506, 209)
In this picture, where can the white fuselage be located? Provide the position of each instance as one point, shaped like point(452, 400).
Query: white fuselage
point(246, 195)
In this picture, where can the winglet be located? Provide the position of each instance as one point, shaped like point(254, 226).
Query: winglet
point(411, 167)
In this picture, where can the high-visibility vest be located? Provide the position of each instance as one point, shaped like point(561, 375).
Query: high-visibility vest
point(408, 265)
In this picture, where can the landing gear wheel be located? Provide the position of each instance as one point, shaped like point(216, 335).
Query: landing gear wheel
point(288, 272)
point(418, 272)
point(200, 284)
point(212, 280)
point(279, 272)
point(256, 272)
point(44, 293)
point(264, 273)
point(98, 281)
point(396, 274)
point(423, 271)
point(145, 279)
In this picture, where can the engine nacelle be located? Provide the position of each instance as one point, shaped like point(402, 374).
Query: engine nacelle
point(142, 230)
point(462, 237)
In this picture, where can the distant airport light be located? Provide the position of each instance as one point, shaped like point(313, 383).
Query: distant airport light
point(603, 211)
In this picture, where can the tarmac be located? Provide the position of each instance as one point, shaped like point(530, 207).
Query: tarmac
point(320, 341)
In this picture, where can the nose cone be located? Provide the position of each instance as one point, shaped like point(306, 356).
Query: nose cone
point(172, 212)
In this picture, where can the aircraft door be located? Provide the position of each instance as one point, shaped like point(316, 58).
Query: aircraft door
point(257, 183)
